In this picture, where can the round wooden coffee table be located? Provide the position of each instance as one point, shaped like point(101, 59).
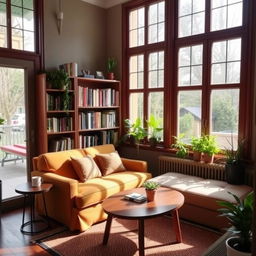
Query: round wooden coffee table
point(166, 201)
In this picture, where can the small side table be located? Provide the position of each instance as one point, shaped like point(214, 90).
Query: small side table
point(29, 193)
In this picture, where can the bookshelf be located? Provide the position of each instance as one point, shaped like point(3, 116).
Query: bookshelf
point(92, 117)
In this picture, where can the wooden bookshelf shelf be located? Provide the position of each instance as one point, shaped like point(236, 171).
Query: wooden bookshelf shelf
point(93, 103)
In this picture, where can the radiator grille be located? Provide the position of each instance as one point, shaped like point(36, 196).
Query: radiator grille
point(190, 167)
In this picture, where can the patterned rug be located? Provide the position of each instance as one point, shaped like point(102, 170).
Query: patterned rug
point(123, 240)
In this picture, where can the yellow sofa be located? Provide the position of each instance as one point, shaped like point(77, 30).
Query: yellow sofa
point(78, 204)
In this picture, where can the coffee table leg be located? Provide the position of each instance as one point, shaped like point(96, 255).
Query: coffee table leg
point(141, 237)
point(176, 222)
point(107, 229)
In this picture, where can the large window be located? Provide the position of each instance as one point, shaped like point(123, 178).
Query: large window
point(188, 61)
point(17, 25)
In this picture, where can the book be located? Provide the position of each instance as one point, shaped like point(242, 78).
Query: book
point(135, 197)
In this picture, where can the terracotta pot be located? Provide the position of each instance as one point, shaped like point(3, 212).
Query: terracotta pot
point(208, 159)
point(233, 252)
point(110, 76)
point(150, 194)
point(197, 156)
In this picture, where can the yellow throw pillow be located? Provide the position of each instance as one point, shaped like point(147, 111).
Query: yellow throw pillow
point(110, 163)
point(85, 168)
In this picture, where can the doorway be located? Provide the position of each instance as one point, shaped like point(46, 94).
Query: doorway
point(13, 167)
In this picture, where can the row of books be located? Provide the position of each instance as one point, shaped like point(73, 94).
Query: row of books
point(97, 119)
point(59, 124)
point(70, 68)
point(101, 138)
point(60, 144)
point(55, 102)
point(106, 97)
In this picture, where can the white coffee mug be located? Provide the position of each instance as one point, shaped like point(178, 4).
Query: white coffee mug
point(36, 181)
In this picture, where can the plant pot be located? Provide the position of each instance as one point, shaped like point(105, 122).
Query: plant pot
point(234, 174)
point(110, 76)
point(197, 156)
point(152, 142)
point(208, 159)
point(233, 252)
point(150, 194)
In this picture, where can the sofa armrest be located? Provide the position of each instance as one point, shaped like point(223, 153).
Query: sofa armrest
point(135, 165)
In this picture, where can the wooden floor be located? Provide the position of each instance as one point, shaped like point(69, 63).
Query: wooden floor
point(12, 241)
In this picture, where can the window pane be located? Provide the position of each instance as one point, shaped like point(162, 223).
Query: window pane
point(185, 7)
point(185, 26)
point(226, 14)
point(29, 4)
point(16, 2)
point(190, 65)
point(136, 27)
point(198, 5)
point(17, 17)
point(155, 67)
point(198, 23)
point(136, 68)
point(3, 14)
point(234, 49)
point(28, 20)
point(3, 37)
point(156, 17)
point(218, 73)
point(219, 52)
point(29, 43)
point(224, 116)
point(189, 114)
point(17, 39)
point(233, 72)
point(136, 106)
point(156, 107)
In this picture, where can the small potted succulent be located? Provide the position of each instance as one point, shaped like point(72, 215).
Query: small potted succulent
point(151, 187)
point(240, 216)
point(153, 130)
point(210, 148)
point(197, 147)
point(111, 64)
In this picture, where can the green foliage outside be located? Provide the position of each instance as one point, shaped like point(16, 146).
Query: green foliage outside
point(186, 124)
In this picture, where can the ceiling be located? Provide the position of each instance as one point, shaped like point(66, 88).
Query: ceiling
point(105, 3)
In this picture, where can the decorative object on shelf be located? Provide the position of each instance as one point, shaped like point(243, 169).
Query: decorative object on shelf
point(153, 130)
point(151, 187)
point(210, 148)
point(198, 148)
point(181, 147)
point(135, 132)
point(99, 75)
point(59, 17)
point(111, 65)
point(234, 165)
point(86, 73)
point(70, 68)
point(240, 216)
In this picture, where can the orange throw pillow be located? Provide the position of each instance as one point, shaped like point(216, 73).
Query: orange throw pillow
point(85, 168)
point(110, 163)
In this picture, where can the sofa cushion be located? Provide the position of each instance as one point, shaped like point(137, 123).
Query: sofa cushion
point(110, 163)
point(60, 162)
point(95, 190)
point(202, 192)
point(102, 149)
point(85, 168)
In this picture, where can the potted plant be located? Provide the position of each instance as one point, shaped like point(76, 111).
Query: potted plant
point(210, 148)
point(240, 216)
point(58, 79)
point(197, 147)
point(154, 130)
point(234, 165)
point(111, 64)
point(150, 187)
point(135, 132)
point(182, 150)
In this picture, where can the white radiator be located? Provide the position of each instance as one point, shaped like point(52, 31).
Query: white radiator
point(190, 167)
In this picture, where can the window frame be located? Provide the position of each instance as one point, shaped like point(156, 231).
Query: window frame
point(171, 47)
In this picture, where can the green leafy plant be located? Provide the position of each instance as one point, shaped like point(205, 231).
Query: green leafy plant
point(182, 150)
point(151, 185)
point(240, 216)
point(111, 64)
point(197, 144)
point(209, 145)
point(58, 79)
point(154, 129)
point(135, 130)
point(235, 156)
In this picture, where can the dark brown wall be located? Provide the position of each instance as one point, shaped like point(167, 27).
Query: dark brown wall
point(83, 37)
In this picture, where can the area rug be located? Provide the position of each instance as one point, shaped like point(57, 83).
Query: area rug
point(123, 240)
